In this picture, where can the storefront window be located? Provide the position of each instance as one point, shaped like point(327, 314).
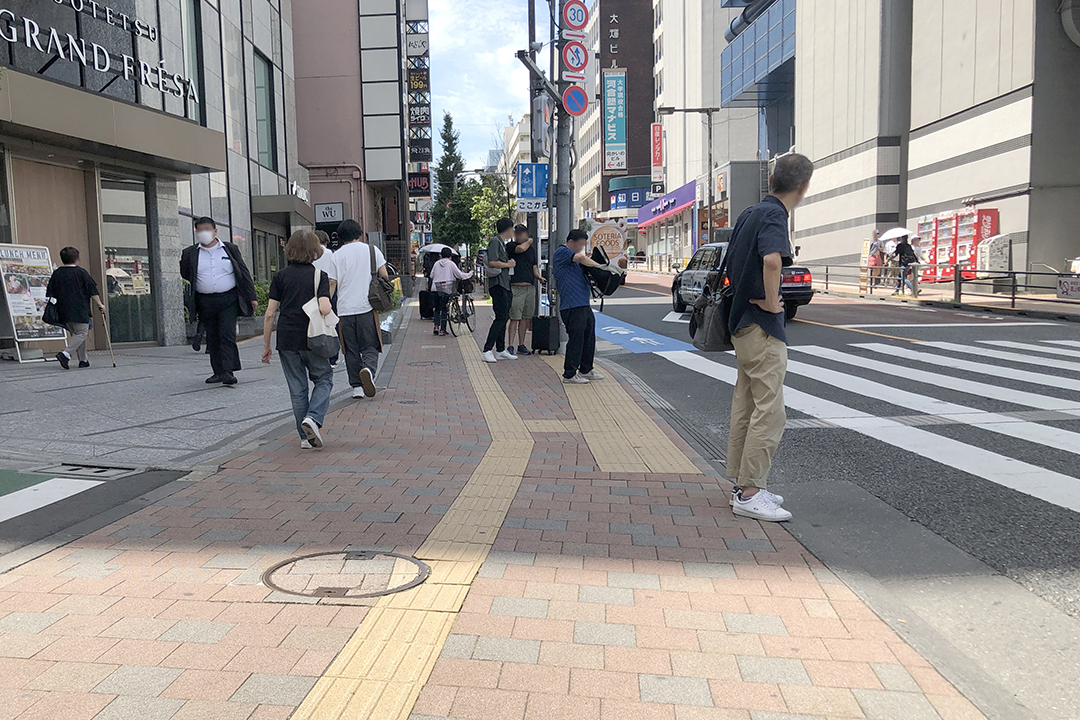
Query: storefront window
point(189, 30)
point(264, 111)
point(125, 236)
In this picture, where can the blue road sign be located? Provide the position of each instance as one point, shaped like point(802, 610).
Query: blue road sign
point(575, 100)
point(532, 181)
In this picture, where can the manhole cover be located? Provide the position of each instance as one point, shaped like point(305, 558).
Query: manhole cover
point(349, 574)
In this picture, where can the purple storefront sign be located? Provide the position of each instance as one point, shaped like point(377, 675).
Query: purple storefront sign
point(670, 204)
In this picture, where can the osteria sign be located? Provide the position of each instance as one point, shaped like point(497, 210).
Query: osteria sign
point(27, 30)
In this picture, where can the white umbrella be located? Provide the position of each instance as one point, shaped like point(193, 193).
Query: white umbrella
point(896, 233)
point(436, 248)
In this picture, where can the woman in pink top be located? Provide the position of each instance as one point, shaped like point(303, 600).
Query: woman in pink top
point(443, 274)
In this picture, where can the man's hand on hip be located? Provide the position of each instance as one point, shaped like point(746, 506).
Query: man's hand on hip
point(775, 306)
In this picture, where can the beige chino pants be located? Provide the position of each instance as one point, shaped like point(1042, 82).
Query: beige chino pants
point(757, 405)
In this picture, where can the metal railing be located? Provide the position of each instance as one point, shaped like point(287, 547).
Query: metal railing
point(963, 280)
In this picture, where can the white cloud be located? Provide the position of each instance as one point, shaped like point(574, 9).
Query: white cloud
point(474, 73)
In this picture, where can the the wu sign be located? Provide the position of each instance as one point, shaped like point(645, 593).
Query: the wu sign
point(532, 187)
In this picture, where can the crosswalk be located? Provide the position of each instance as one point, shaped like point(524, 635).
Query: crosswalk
point(1000, 391)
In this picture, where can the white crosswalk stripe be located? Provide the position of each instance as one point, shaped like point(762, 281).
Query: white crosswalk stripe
point(1000, 371)
point(906, 393)
point(1070, 343)
point(1028, 347)
point(1002, 355)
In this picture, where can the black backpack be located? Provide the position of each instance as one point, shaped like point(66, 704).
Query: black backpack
point(603, 280)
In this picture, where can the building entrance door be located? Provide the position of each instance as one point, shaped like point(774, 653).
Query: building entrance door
point(125, 238)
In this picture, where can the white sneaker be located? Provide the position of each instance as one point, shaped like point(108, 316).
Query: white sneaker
point(736, 489)
point(488, 357)
point(358, 392)
point(311, 429)
point(367, 381)
point(305, 445)
point(592, 375)
point(578, 379)
point(506, 355)
point(760, 507)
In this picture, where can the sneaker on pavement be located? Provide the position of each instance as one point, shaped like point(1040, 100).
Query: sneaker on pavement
point(488, 357)
point(738, 488)
point(506, 355)
point(592, 375)
point(228, 379)
point(63, 359)
point(522, 350)
point(215, 379)
point(760, 507)
point(578, 379)
point(305, 445)
point(358, 392)
point(367, 381)
point(84, 363)
point(311, 429)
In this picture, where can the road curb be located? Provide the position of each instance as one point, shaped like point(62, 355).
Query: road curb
point(966, 307)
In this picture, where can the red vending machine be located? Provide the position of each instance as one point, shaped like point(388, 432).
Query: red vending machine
point(972, 227)
point(953, 237)
point(927, 229)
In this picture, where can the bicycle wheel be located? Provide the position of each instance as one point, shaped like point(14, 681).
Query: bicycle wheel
point(453, 317)
point(470, 313)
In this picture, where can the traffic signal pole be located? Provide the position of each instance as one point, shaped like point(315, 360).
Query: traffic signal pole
point(531, 220)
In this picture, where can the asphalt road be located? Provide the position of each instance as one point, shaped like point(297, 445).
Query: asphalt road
point(1034, 541)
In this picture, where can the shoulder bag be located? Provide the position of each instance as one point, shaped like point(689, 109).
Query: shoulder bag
point(710, 322)
point(322, 337)
point(381, 290)
point(50, 315)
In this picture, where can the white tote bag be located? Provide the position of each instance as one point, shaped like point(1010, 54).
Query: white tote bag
point(322, 338)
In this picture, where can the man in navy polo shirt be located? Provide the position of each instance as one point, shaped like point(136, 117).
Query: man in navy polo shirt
point(568, 266)
point(758, 251)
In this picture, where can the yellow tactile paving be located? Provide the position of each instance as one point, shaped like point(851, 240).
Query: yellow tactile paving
point(553, 426)
point(621, 437)
point(383, 667)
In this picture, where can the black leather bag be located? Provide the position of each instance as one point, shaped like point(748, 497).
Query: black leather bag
point(710, 321)
point(381, 290)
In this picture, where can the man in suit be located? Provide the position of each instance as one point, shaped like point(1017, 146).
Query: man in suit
point(223, 290)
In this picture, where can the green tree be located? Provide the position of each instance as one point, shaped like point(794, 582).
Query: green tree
point(451, 216)
point(488, 206)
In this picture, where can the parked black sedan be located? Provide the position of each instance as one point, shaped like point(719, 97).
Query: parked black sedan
point(795, 283)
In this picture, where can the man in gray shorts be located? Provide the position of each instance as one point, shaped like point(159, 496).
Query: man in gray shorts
point(523, 285)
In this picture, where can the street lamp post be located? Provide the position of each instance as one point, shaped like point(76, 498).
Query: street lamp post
point(708, 113)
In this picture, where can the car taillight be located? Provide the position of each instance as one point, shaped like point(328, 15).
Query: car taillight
point(798, 278)
point(726, 281)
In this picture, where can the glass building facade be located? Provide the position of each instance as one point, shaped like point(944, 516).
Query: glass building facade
point(127, 119)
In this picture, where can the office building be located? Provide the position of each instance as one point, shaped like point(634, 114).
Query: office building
point(121, 121)
point(362, 73)
point(955, 119)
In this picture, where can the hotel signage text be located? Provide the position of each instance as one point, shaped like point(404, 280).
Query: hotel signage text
point(50, 41)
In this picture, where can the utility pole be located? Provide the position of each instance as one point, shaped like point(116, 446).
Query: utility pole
point(708, 113)
point(532, 219)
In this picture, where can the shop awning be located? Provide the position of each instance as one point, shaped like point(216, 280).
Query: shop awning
point(666, 214)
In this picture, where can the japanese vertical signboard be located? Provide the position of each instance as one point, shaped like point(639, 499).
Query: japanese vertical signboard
point(657, 135)
point(26, 270)
point(614, 119)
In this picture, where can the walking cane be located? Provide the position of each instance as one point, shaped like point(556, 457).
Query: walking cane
point(108, 339)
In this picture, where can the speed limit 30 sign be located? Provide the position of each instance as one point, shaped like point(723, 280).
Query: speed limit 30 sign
point(575, 15)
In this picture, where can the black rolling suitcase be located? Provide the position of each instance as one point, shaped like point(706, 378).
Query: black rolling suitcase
point(427, 304)
point(546, 334)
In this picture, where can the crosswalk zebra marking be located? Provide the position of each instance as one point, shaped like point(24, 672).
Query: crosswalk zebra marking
point(1032, 346)
point(1053, 487)
point(970, 387)
point(975, 367)
point(1070, 343)
point(1009, 356)
point(44, 493)
point(993, 422)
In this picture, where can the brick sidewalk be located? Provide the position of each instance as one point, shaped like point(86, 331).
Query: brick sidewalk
point(599, 593)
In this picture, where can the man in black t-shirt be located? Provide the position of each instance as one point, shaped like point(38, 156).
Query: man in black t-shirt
point(523, 286)
point(757, 252)
point(73, 289)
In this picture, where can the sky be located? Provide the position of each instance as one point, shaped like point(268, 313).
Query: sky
point(474, 73)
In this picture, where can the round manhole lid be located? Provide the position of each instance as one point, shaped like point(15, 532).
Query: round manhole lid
point(347, 574)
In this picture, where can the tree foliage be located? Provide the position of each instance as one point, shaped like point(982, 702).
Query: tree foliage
point(451, 216)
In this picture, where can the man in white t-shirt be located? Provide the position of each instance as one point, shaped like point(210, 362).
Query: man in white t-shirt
point(351, 278)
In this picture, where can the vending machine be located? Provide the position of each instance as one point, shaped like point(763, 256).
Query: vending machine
point(952, 238)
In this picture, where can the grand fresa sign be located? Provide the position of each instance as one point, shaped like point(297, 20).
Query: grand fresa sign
point(47, 40)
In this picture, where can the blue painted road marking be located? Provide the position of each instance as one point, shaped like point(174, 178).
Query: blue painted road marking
point(635, 339)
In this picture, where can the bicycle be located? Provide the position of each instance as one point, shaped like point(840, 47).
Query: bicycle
point(462, 309)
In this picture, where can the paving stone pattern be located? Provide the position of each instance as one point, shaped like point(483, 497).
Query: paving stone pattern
point(606, 596)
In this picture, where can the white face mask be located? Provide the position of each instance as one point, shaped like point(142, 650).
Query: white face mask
point(205, 237)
